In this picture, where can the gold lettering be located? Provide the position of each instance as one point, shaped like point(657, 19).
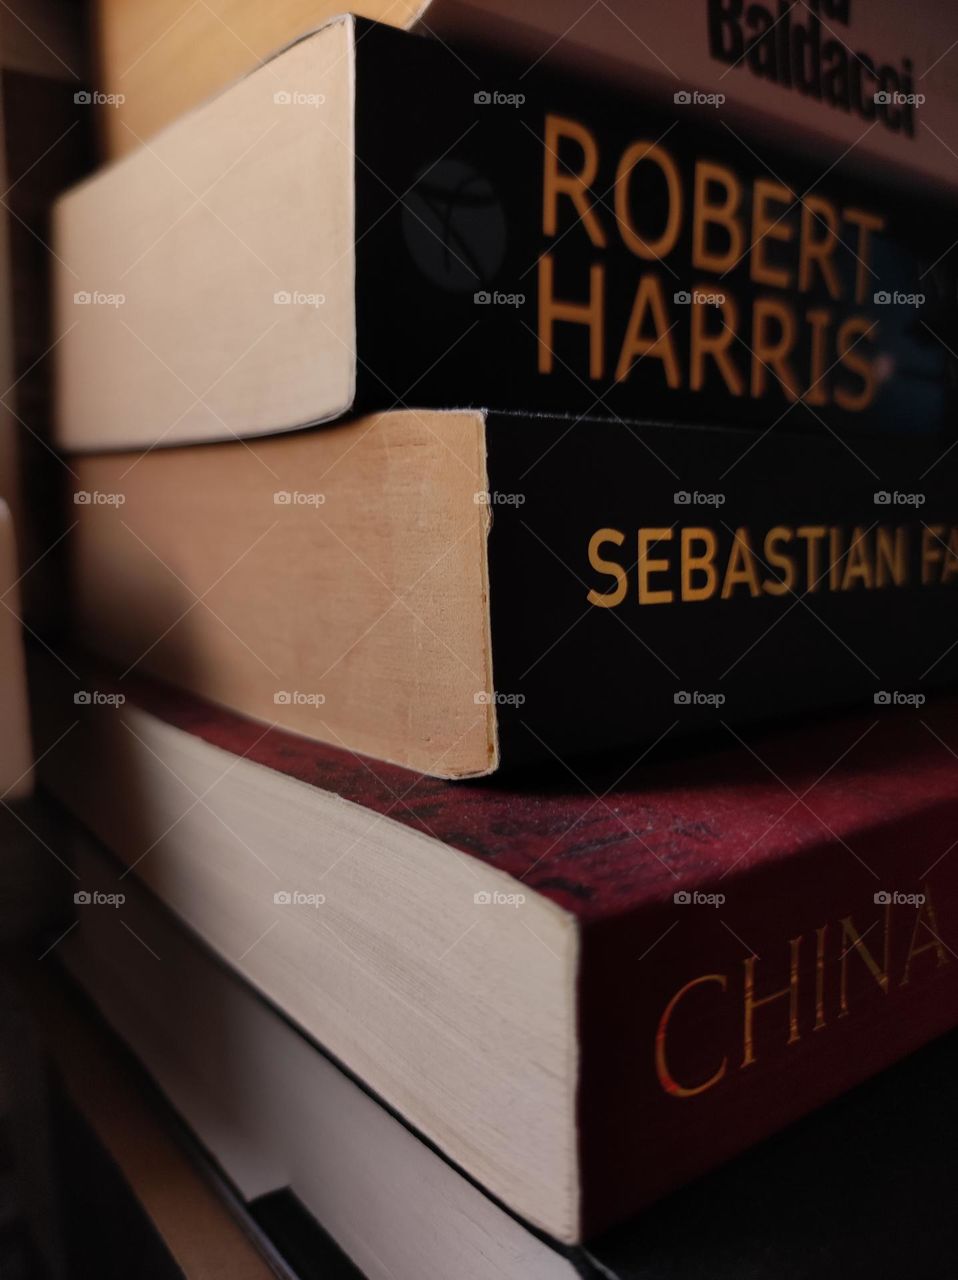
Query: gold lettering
point(576, 186)
point(742, 568)
point(835, 562)
point(631, 157)
point(951, 558)
point(765, 228)
point(812, 535)
point(724, 215)
point(932, 551)
point(851, 356)
point(866, 224)
point(858, 565)
point(817, 211)
point(779, 560)
point(649, 297)
point(752, 1004)
point(771, 355)
point(608, 599)
point(928, 918)
point(647, 567)
point(820, 938)
point(591, 314)
point(891, 555)
point(703, 563)
point(817, 393)
point(666, 1079)
point(852, 941)
point(714, 345)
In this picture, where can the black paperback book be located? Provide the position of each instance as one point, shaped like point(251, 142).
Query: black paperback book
point(533, 241)
point(861, 1187)
point(857, 1191)
point(648, 579)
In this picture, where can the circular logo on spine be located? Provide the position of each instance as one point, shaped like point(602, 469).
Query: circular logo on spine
point(455, 227)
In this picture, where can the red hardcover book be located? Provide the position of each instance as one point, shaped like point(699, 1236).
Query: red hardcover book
point(586, 989)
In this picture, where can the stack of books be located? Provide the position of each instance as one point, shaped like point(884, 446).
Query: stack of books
point(470, 454)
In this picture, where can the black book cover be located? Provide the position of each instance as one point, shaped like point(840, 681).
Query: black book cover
point(647, 579)
point(859, 1189)
point(533, 242)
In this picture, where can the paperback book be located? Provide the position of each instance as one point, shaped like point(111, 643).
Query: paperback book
point(584, 992)
point(870, 75)
point(382, 226)
point(463, 592)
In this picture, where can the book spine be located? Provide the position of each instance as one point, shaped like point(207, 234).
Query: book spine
point(740, 1002)
point(535, 242)
point(648, 581)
